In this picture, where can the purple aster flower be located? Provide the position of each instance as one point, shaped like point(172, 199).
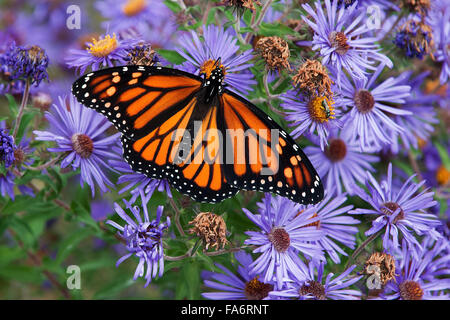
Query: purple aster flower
point(143, 239)
point(314, 288)
point(315, 115)
point(413, 280)
point(132, 14)
point(79, 132)
point(7, 147)
point(138, 182)
point(418, 125)
point(340, 35)
point(334, 222)
point(106, 51)
point(368, 120)
point(217, 43)
point(399, 211)
point(285, 233)
point(240, 286)
point(25, 63)
point(439, 252)
point(341, 164)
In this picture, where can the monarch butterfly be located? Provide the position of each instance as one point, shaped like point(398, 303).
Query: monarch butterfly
point(157, 109)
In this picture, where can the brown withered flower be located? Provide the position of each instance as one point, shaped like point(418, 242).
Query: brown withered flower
point(242, 4)
point(419, 6)
point(211, 228)
point(312, 79)
point(275, 52)
point(384, 266)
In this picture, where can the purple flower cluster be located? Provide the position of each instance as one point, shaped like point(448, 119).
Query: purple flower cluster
point(143, 239)
point(25, 63)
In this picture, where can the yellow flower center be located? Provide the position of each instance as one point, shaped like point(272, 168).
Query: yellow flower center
point(208, 66)
point(133, 7)
point(103, 47)
point(321, 109)
point(442, 175)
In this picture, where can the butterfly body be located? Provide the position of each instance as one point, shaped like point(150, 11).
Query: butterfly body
point(206, 140)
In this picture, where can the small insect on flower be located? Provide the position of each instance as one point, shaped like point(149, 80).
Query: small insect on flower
point(275, 52)
point(312, 79)
point(211, 229)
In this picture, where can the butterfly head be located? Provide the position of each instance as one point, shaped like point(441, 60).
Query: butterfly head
point(213, 73)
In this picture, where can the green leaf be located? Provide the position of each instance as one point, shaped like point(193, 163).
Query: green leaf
point(114, 288)
point(191, 274)
point(9, 254)
point(70, 243)
point(25, 123)
point(275, 29)
point(13, 107)
point(172, 5)
point(23, 231)
point(18, 273)
point(171, 56)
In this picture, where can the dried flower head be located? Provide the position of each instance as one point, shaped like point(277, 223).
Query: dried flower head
point(257, 290)
point(211, 228)
point(242, 4)
point(382, 265)
point(142, 55)
point(416, 38)
point(312, 78)
point(419, 6)
point(275, 52)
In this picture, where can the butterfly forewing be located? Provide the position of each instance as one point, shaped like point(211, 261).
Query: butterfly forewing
point(136, 99)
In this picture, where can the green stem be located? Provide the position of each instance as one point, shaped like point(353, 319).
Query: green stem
point(362, 247)
point(23, 104)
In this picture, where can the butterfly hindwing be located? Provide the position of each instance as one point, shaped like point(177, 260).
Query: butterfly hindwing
point(266, 158)
point(157, 154)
